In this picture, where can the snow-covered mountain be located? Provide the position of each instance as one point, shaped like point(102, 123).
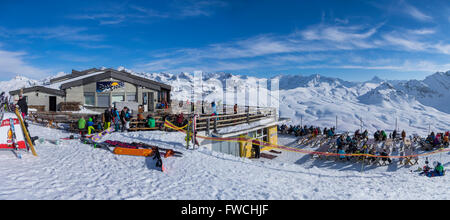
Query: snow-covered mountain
point(17, 83)
point(433, 91)
point(413, 105)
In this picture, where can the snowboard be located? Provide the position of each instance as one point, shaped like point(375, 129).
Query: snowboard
point(171, 151)
point(98, 136)
point(89, 141)
point(165, 152)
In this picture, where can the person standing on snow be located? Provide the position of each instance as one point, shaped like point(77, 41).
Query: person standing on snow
point(125, 118)
point(116, 119)
point(214, 110)
point(82, 126)
point(23, 106)
point(107, 116)
point(90, 125)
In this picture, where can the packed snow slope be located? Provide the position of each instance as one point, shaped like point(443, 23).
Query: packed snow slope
point(76, 171)
point(416, 105)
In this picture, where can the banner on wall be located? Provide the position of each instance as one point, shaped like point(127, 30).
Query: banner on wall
point(109, 86)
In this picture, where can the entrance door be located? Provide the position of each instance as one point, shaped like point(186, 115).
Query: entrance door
point(151, 102)
point(52, 104)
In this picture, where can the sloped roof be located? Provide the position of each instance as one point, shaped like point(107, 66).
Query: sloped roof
point(39, 89)
point(120, 75)
point(74, 74)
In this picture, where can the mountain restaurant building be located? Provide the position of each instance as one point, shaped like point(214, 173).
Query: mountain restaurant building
point(96, 89)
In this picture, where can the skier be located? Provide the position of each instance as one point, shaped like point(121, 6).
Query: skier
point(365, 134)
point(426, 169)
point(2, 101)
point(372, 151)
point(403, 135)
point(82, 126)
point(357, 134)
point(445, 141)
point(256, 149)
point(315, 132)
point(330, 133)
point(180, 120)
point(376, 135)
point(341, 151)
point(214, 110)
point(385, 154)
point(384, 135)
point(23, 106)
point(438, 170)
point(125, 117)
point(394, 134)
point(348, 140)
point(107, 116)
point(116, 117)
point(235, 108)
point(340, 141)
point(151, 122)
point(90, 125)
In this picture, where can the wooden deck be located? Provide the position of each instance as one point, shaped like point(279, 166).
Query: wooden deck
point(204, 121)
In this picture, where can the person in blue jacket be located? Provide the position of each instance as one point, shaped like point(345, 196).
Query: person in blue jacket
point(330, 133)
point(116, 117)
point(214, 110)
point(438, 170)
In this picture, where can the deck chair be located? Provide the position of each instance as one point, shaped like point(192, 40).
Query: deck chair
point(319, 141)
point(304, 139)
point(323, 149)
point(382, 161)
point(411, 160)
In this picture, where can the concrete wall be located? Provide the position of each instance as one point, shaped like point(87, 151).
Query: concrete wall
point(76, 94)
point(40, 99)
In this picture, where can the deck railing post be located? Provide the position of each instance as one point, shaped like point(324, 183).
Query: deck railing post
point(215, 124)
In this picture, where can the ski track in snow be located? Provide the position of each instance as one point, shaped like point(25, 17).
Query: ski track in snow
point(77, 171)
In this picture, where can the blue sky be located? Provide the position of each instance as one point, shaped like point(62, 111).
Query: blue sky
point(349, 39)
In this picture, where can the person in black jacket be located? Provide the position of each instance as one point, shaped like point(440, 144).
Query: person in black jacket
point(23, 106)
point(108, 118)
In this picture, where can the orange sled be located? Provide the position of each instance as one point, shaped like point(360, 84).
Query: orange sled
point(133, 152)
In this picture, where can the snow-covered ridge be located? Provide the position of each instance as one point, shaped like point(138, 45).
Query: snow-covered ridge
point(316, 99)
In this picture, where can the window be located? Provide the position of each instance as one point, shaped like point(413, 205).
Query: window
point(131, 97)
point(145, 98)
point(89, 99)
point(118, 98)
point(159, 96)
point(103, 100)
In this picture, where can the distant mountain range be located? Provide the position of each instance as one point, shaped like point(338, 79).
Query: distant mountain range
point(416, 105)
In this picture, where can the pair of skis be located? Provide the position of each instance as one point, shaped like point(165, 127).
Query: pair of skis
point(14, 138)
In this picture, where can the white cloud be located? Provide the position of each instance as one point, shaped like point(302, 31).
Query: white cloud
point(176, 9)
point(12, 64)
point(424, 31)
point(415, 13)
point(64, 33)
point(403, 42)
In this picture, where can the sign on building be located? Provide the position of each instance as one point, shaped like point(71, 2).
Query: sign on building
point(109, 86)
